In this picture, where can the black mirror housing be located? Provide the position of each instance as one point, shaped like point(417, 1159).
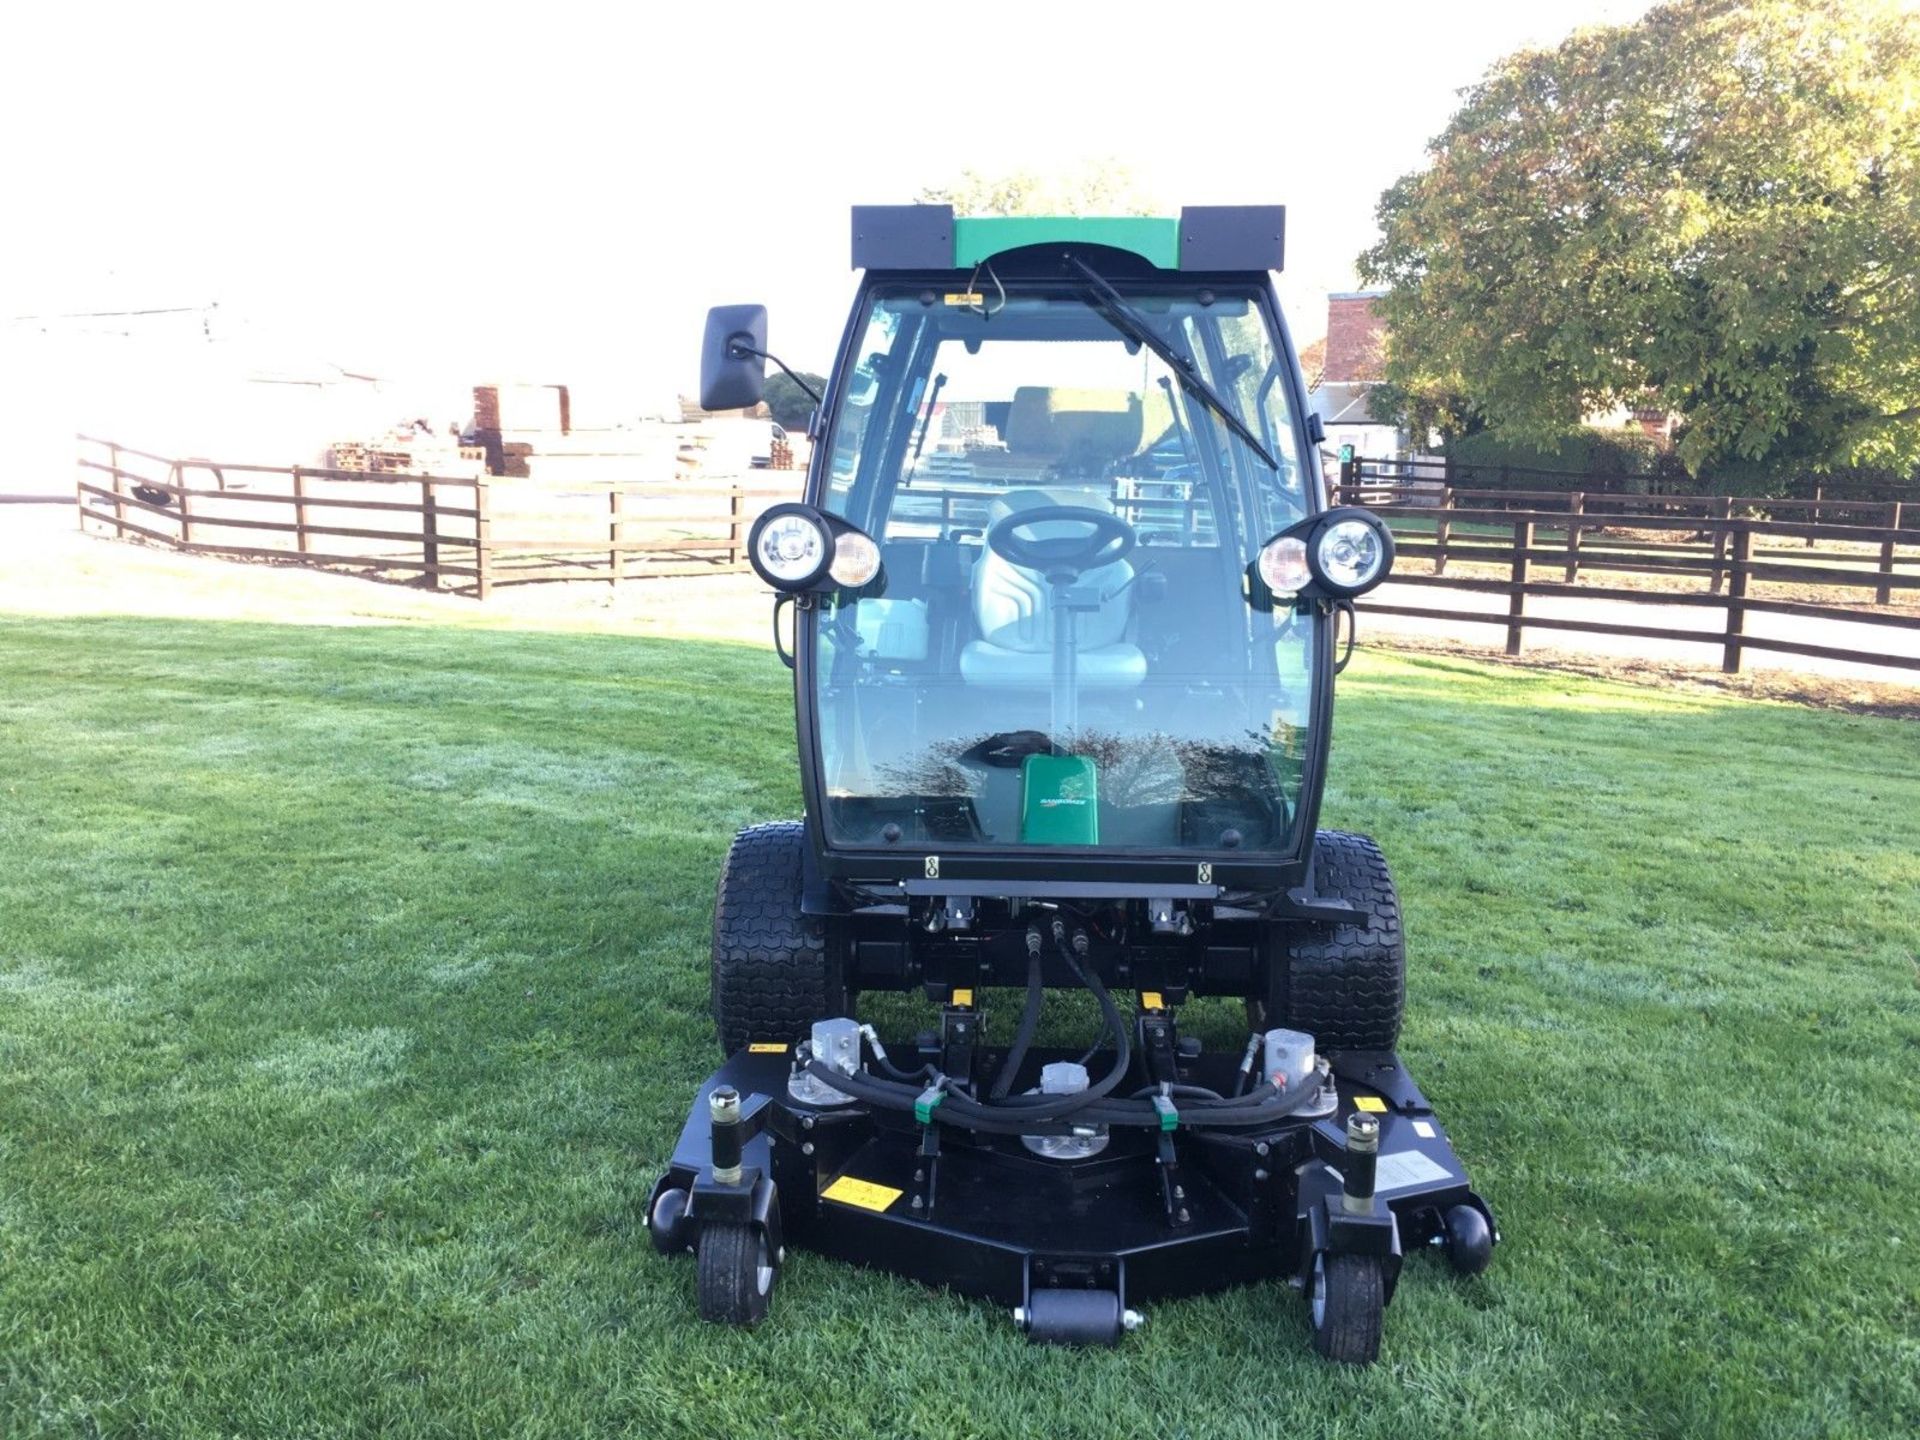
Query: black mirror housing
point(733, 370)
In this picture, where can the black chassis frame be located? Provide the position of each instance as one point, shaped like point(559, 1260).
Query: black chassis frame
point(1146, 1220)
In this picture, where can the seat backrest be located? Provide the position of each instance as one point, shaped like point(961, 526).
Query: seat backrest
point(1013, 606)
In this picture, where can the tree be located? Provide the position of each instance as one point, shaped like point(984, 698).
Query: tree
point(1103, 187)
point(1714, 211)
point(788, 403)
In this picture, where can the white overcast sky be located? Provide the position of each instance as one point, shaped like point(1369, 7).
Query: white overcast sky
point(553, 192)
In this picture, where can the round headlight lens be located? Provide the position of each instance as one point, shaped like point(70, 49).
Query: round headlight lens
point(790, 549)
point(1283, 565)
point(1351, 554)
point(856, 560)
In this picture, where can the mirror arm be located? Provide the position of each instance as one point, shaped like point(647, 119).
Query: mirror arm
point(739, 349)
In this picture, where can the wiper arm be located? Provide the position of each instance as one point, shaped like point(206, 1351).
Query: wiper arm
point(1131, 323)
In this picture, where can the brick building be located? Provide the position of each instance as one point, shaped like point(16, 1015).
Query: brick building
point(1351, 365)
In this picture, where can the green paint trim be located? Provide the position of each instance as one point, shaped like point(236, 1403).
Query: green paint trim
point(1153, 238)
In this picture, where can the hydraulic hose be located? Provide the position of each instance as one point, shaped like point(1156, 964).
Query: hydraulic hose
point(1053, 1107)
point(1002, 1114)
point(1259, 1107)
point(1029, 1020)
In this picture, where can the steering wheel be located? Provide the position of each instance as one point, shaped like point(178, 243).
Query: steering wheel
point(1105, 539)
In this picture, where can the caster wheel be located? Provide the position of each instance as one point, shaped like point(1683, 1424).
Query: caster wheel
point(664, 1223)
point(1469, 1240)
point(734, 1274)
point(1348, 1300)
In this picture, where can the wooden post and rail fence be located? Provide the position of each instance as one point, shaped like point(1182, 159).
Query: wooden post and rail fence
point(465, 533)
point(1722, 541)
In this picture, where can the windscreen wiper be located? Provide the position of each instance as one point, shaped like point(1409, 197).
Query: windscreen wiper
point(1135, 326)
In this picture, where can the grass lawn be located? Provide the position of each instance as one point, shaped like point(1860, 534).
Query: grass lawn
point(352, 990)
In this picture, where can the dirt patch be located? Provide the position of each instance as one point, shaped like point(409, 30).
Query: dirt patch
point(1819, 692)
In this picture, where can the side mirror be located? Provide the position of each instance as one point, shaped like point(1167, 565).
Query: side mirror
point(733, 367)
point(1316, 428)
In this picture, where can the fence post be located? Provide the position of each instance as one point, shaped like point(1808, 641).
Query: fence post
point(186, 516)
point(1813, 514)
point(616, 503)
point(1737, 599)
point(1883, 594)
point(1442, 529)
point(429, 534)
point(736, 512)
point(1576, 507)
point(482, 543)
point(1517, 596)
point(119, 504)
point(302, 541)
point(1717, 575)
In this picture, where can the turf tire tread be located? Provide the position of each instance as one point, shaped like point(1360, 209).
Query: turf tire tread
point(771, 974)
point(1346, 984)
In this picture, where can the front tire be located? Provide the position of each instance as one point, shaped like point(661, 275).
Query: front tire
point(772, 973)
point(1348, 1305)
point(1344, 984)
point(734, 1273)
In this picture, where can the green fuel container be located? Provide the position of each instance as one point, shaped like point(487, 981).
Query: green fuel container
point(1060, 800)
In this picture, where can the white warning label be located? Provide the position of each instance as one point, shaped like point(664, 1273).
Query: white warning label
point(1404, 1169)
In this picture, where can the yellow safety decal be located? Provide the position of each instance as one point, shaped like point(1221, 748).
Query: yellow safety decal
point(1152, 1000)
point(766, 1047)
point(966, 297)
point(861, 1194)
point(1372, 1103)
point(963, 997)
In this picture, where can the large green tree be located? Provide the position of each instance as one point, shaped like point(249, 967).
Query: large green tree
point(1715, 211)
point(788, 403)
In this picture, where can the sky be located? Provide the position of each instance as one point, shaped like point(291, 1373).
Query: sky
point(556, 193)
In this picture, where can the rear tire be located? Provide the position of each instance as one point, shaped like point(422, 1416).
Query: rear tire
point(772, 974)
point(1345, 984)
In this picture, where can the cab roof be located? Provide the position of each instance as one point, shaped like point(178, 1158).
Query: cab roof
point(1203, 237)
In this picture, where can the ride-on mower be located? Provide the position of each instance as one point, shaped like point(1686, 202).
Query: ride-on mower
point(1065, 596)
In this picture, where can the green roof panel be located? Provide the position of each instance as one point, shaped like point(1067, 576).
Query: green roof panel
point(1153, 238)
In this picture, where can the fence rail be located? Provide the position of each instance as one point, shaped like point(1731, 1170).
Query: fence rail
point(1724, 540)
point(467, 533)
point(1812, 490)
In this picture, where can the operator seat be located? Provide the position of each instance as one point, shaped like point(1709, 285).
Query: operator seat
point(1013, 607)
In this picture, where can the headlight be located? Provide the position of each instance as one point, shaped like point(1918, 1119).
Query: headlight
point(790, 547)
point(1350, 553)
point(1283, 566)
point(1334, 555)
point(856, 560)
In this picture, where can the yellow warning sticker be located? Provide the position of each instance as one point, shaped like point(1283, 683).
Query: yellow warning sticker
point(861, 1194)
point(966, 297)
point(766, 1047)
point(963, 997)
point(1152, 1000)
point(1370, 1103)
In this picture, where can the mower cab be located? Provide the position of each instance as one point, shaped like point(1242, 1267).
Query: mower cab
point(1064, 586)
